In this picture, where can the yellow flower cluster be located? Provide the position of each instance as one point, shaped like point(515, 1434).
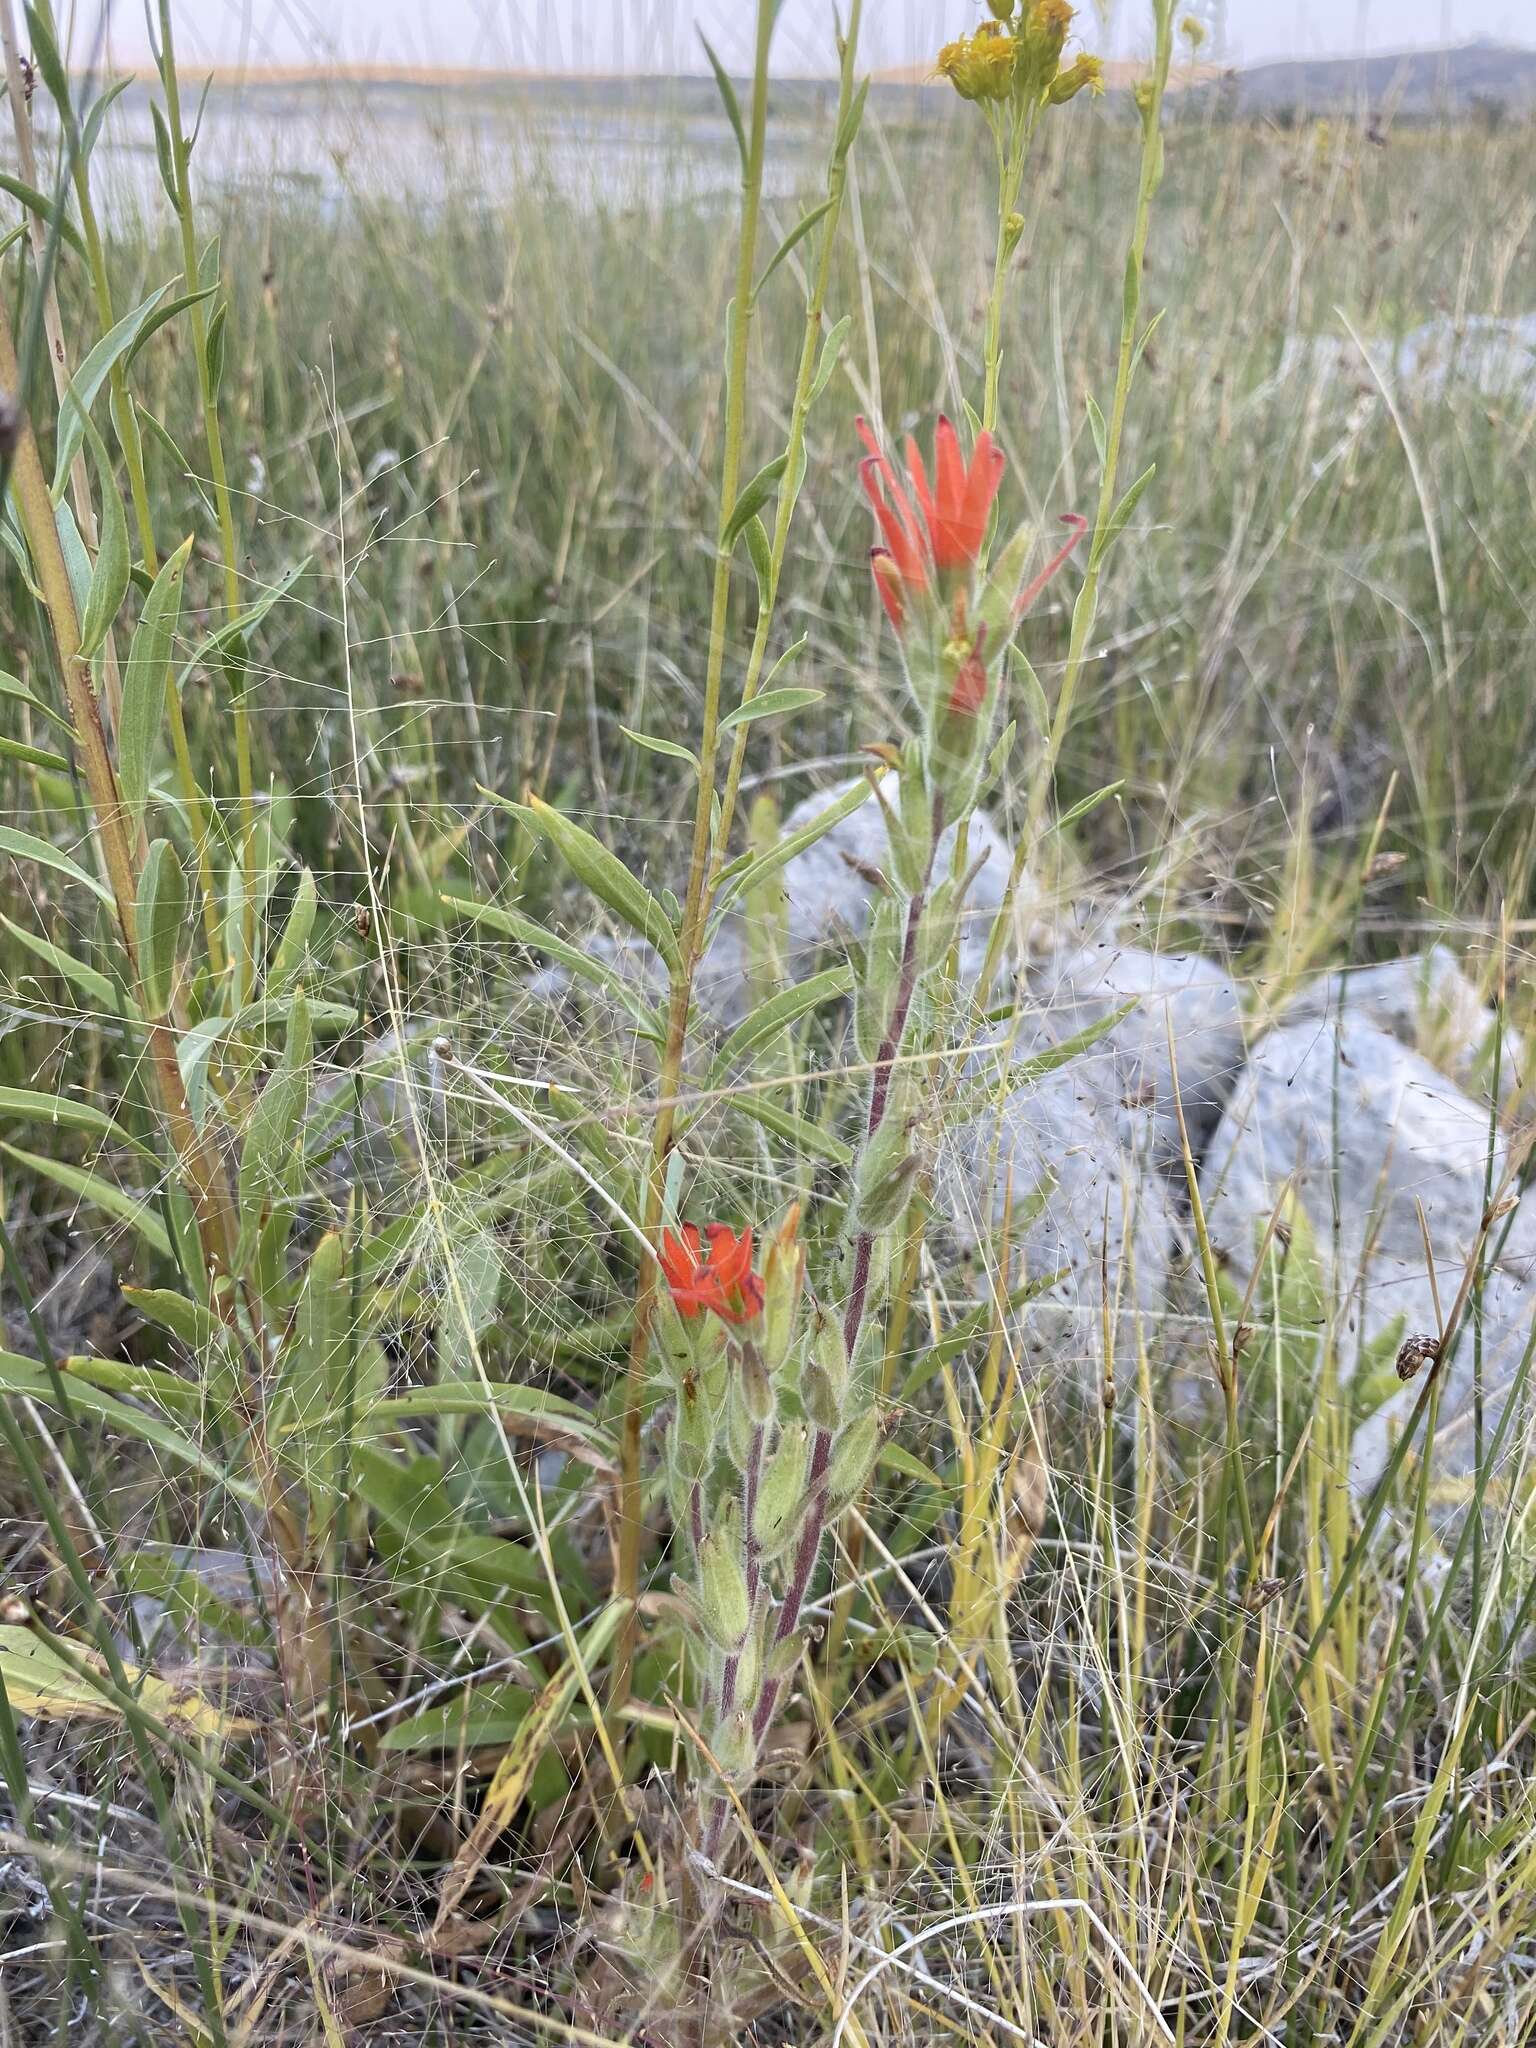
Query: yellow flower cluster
point(1017, 55)
point(980, 67)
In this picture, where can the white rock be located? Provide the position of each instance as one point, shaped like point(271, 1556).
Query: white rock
point(1426, 1002)
point(1400, 1292)
point(1369, 1132)
point(1129, 1069)
point(1102, 1218)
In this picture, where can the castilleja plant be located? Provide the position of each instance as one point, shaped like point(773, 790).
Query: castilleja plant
point(776, 1422)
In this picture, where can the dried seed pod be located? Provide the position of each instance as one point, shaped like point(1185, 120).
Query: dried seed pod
point(1415, 1353)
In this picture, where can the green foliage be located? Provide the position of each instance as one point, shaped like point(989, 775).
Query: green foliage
point(373, 1220)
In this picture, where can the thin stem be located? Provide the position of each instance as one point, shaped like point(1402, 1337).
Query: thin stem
point(216, 468)
point(837, 181)
point(696, 901)
point(1085, 609)
point(125, 419)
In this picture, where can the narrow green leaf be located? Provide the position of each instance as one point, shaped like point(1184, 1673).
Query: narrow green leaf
point(213, 348)
point(852, 121)
point(85, 385)
point(753, 496)
point(797, 233)
point(529, 932)
point(53, 217)
point(1098, 429)
point(197, 1327)
point(670, 748)
point(748, 874)
point(161, 316)
point(1146, 335)
point(164, 154)
point(776, 1014)
point(269, 1152)
point(91, 132)
point(25, 1379)
point(236, 628)
point(61, 1112)
point(289, 954)
point(144, 679)
point(27, 846)
point(526, 1411)
point(1035, 699)
point(601, 871)
point(109, 580)
point(11, 687)
point(806, 1138)
point(1122, 513)
point(46, 58)
point(100, 993)
point(33, 757)
point(133, 1211)
point(760, 548)
point(769, 704)
point(728, 97)
point(1085, 804)
point(161, 914)
point(831, 351)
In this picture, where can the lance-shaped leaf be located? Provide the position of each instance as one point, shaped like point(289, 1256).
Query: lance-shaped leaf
point(289, 954)
point(797, 233)
point(133, 1211)
point(63, 1113)
point(27, 846)
point(161, 918)
point(601, 871)
point(527, 931)
point(114, 566)
point(85, 385)
point(746, 874)
point(752, 498)
point(53, 217)
point(270, 1155)
point(777, 1014)
point(144, 679)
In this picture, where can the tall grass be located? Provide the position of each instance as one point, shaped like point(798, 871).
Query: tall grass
point(1117, 1729)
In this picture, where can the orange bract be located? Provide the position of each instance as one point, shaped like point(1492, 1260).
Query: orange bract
point(954, 510)
point(711, 1271)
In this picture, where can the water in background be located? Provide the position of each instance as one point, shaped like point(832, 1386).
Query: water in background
point(637, 143)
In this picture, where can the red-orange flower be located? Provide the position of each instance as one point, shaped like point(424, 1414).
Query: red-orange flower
point(711, 1272)
point(943, 532)
point(970, 686)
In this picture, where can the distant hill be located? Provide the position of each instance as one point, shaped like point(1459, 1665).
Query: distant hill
point(1457, 81)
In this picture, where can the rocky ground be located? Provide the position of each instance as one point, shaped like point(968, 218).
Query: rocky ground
point(1365, 1103)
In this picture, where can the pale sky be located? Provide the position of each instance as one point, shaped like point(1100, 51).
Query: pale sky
point(658, 35)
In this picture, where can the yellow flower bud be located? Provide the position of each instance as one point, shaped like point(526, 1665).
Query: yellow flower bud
point(980, 67)
point(1084, 72)
point(1193, 31)
point(1041, 36)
